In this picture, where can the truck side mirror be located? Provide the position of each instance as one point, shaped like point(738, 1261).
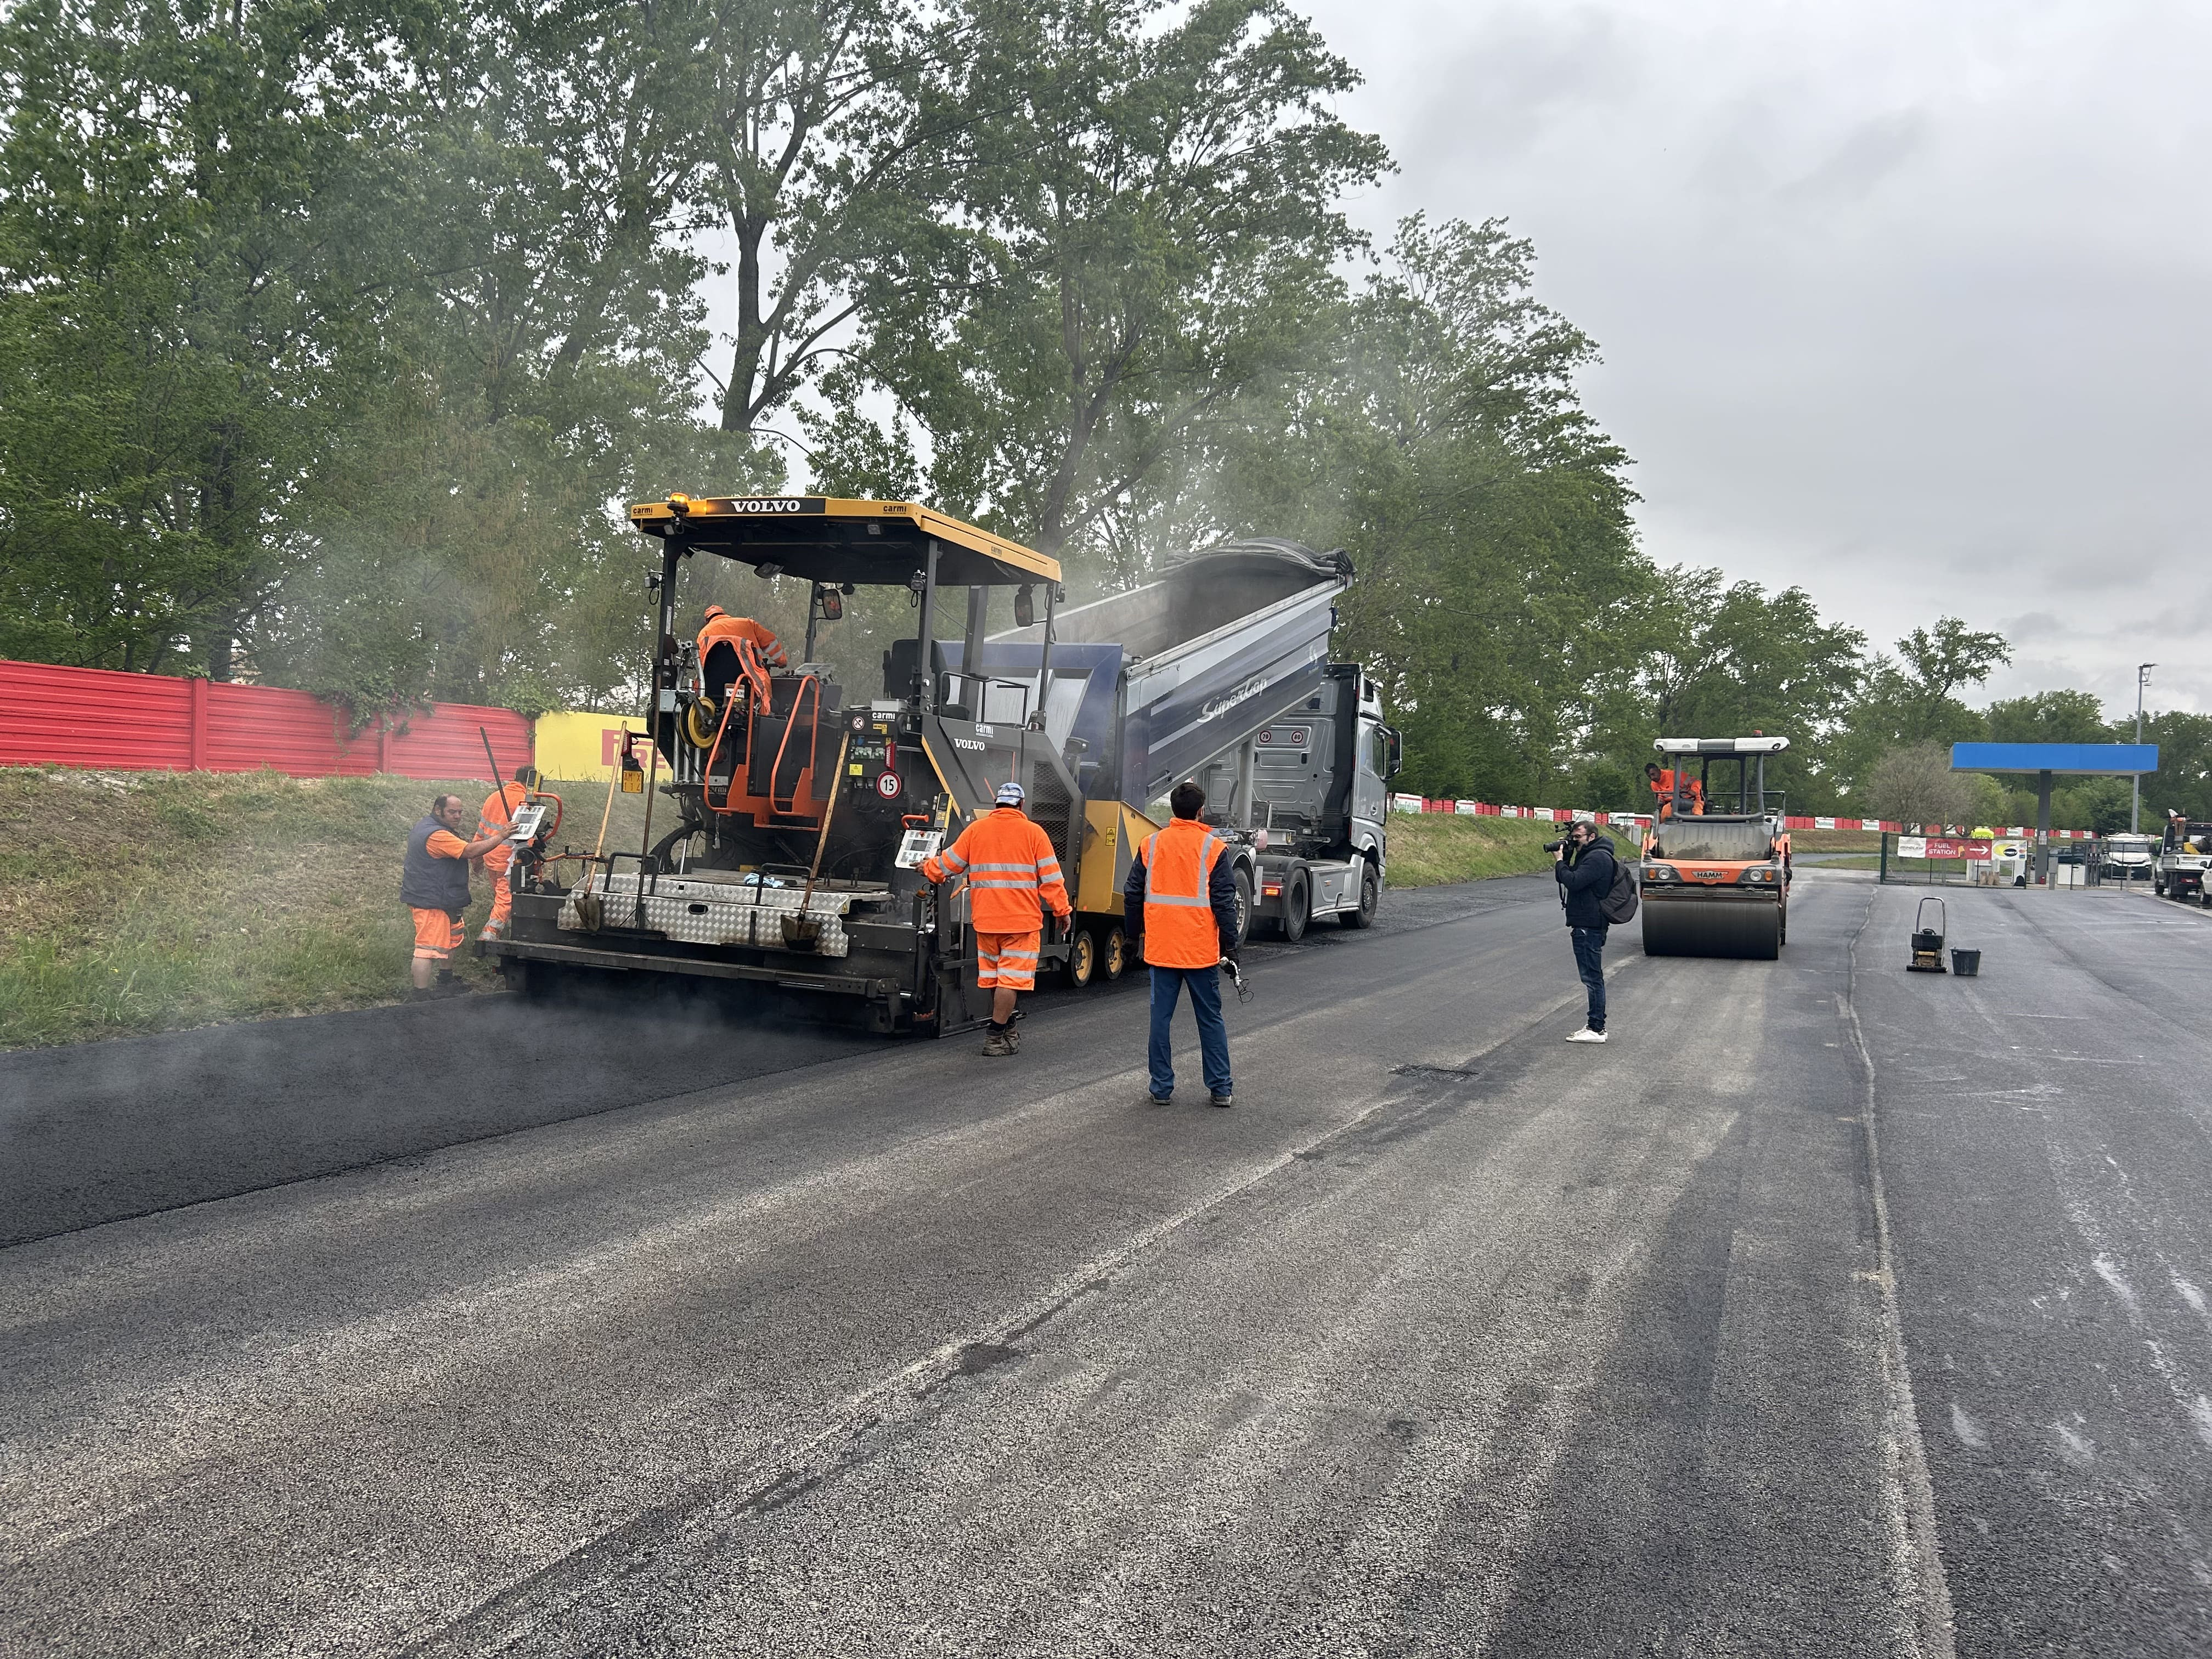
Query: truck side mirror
point(1394, 753)
point(1025, 606)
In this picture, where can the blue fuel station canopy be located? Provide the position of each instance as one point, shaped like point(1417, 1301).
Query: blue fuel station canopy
point(2097, 759)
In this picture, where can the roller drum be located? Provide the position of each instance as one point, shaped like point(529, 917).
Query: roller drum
point(1712, 928)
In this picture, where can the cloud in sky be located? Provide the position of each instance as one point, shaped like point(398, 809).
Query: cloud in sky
point(1907, 304)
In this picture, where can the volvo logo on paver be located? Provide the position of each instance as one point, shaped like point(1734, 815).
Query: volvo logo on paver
point(774, 504)
point(970, 743)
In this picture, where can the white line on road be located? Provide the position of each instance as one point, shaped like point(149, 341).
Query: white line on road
point(1916, 1555)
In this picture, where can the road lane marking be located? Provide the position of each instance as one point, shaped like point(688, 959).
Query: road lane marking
point(1916, 1558)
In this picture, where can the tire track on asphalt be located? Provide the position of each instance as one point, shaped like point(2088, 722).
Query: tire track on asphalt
point(1916, 1560)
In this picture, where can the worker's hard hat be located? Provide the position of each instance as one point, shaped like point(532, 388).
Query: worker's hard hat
point(1010, 794)
point(715, 610)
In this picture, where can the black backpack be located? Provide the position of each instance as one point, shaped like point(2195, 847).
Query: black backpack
point(1619, 904)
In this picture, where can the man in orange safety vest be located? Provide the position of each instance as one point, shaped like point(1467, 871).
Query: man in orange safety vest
point(1008, 861)
point(1182, 897)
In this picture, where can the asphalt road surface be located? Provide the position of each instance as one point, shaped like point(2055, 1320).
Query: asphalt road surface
point(1825, 1310)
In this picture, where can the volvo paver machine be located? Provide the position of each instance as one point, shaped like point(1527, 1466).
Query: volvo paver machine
point(802, 809)
point(1716, 883)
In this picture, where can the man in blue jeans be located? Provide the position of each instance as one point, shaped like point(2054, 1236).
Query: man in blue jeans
point(1584, 866)
point(1181, 902)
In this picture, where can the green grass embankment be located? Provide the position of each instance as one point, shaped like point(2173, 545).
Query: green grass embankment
point(134, 901)
point(1428, 849)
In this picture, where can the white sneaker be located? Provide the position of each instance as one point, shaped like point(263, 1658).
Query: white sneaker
point(1587, 1037)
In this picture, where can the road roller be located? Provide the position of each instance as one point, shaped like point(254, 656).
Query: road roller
point(1716, 883)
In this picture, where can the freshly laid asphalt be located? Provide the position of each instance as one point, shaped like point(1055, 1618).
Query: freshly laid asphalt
point(1824, 1309)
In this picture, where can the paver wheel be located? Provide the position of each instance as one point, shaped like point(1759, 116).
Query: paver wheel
point(1113, 954)
point(1082, 959)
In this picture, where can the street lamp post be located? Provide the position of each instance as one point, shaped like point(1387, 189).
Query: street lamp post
point(2135, 783)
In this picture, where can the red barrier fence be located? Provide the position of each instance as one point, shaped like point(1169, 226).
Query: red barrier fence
point(94, 717)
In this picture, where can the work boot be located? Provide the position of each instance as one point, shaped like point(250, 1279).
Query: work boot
point(1002, 1042)
point(447, 986)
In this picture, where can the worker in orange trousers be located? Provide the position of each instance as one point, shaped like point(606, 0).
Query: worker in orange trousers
point(433, 884)
point(1009, 861)
point(497, 813)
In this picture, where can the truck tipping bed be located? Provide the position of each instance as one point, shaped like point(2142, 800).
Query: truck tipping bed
point(1152, 683)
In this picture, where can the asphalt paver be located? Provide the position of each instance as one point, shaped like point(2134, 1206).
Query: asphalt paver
point(1450, 1337)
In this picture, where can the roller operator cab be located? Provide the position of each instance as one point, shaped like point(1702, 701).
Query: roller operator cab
point(1713, 879)
point(788, 815)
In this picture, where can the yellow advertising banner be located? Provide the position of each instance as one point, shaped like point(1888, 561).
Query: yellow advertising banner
point(583, 746)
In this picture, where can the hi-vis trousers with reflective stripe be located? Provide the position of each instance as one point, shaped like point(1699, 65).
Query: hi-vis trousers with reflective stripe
point(1007, 961)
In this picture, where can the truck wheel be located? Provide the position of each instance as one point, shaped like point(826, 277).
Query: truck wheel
point(1370, 896)
point(1244, 905)
point(1113, 954)
point(1297, 907)
point(1082, 959)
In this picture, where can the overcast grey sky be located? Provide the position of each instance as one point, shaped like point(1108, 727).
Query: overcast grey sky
point(1904, 302)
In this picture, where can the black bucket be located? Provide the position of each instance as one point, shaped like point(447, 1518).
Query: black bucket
point(1967, 964)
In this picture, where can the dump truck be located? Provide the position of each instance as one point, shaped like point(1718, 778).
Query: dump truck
point(1230, 642)
point(799, 811)
point(1716, 882)
point(2184, 854)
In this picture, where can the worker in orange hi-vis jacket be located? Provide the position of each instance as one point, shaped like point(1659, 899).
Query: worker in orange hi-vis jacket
point(1008, 861)
point(1662, 786)
point(433, 884)
point(492, 818)
point(738, 647)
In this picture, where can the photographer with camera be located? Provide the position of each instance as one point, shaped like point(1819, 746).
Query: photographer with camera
point(1583, 862)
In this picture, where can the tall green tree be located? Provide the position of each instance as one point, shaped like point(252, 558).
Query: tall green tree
point(539, 342)
point(1716, 659)
point(1912, 699)
point(1145, 223)
point(181, 323)
point(2049, 717)
point(1435, 431)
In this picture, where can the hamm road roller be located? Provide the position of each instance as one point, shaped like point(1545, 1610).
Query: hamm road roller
point(1716, 883)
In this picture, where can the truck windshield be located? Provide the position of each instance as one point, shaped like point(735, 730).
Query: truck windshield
point(1707, 838)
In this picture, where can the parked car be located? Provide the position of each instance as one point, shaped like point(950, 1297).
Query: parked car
point(2128, 858)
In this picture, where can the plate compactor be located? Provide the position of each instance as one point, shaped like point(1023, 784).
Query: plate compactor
point(1716, 883)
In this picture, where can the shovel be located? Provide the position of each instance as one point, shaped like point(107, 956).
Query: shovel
point(802, 931)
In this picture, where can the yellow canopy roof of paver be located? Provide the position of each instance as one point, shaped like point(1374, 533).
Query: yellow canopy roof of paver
point(821, 538)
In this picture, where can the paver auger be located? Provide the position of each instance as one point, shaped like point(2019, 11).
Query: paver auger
point(1717, 884)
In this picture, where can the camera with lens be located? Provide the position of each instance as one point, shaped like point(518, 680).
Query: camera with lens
point(1554, 846)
